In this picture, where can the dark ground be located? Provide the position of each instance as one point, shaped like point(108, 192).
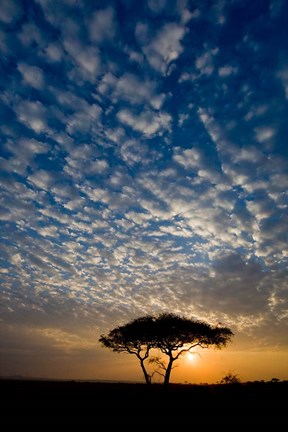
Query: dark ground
point(85, 406)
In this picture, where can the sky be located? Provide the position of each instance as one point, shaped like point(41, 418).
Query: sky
point(143, 158)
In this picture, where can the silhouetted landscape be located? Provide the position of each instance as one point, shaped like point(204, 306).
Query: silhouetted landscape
point(36, 404)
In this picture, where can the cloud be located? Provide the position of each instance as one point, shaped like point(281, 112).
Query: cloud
point(130, 88)
point(42, 179)
point(142, 171)
point(32, 75)
point(32, 115)
point(82, 122)
point(205, 62)
point(147, 122)
point(165, 47)
point(86, 58)
point(242, 166)
point(31, 36)
point(102, 26)
point(138, 218)
point(189, 158)
point(156, 5)
point(16, 259)
point(54, 52)
point(10, 11)
point(193, 160)
point(75, 167)
point(134, 152)
point(24, 153)
point(264, 133)
point(283, 75)
point(55, 14)
point(226, 71)
point(49, 231)
point(232, 280)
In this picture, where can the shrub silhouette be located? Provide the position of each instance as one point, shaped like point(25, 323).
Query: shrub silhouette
point(230, 378)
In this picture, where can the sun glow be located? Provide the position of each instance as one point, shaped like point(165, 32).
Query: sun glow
point(191, 357)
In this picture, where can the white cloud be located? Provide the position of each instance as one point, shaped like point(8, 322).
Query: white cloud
point(32, 114)
point(65, 191)
point(30, 35)
point(54, 52)
point(120, 179)
point(82, 122)
point(156, 5)
point(205, 62)
point(48, 231)
point(138, 218)
point(10, 11)
point(264, 133)
point(256, 111)
point(75, 167)
point(119, 201)
point(42, 179)
point(148, 122)
point(17, 259)
point(248, 154)
point(195, 14)
point(24, 153)
point(133, 152)
point(223, 145)
point(103, 25)
point(83, 151)
point(32, 75)
point(182, 118)
point(186, 76)
point(283, 75)
point(134, 56)
point(226, 71)
point(194, 159)
point(142, 33)
point(165, 47)
point(87, 58)
point(54, 214)
point(189, 158)
point(279, 180)
point(130, 88)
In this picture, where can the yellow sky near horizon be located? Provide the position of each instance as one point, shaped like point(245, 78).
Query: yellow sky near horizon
point(58, 354)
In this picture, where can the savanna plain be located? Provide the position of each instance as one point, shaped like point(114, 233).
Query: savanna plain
point(100, 406)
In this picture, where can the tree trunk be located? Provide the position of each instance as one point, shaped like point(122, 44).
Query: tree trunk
point(168, 372)
point(146, 375)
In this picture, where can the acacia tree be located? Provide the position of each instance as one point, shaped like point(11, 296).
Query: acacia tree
point(132, 338)
point(176, 335)
point(171, 334)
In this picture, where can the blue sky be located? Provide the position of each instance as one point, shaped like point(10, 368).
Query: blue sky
point(143, 168)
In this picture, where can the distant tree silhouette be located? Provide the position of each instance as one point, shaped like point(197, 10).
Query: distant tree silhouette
point(230, 378)
point(171, 334)
point(275, 380)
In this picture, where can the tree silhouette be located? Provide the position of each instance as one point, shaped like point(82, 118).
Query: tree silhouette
point(132, 338)
point(230, 378)
point(171, 334)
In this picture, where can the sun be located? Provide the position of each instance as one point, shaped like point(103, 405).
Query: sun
point(191, 357)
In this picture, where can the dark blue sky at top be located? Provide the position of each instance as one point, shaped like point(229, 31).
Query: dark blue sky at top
point(143, 160)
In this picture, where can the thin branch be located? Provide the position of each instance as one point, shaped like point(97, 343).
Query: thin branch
point(186, 350)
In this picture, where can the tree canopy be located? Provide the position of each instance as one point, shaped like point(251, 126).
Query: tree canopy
point(171, 334)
